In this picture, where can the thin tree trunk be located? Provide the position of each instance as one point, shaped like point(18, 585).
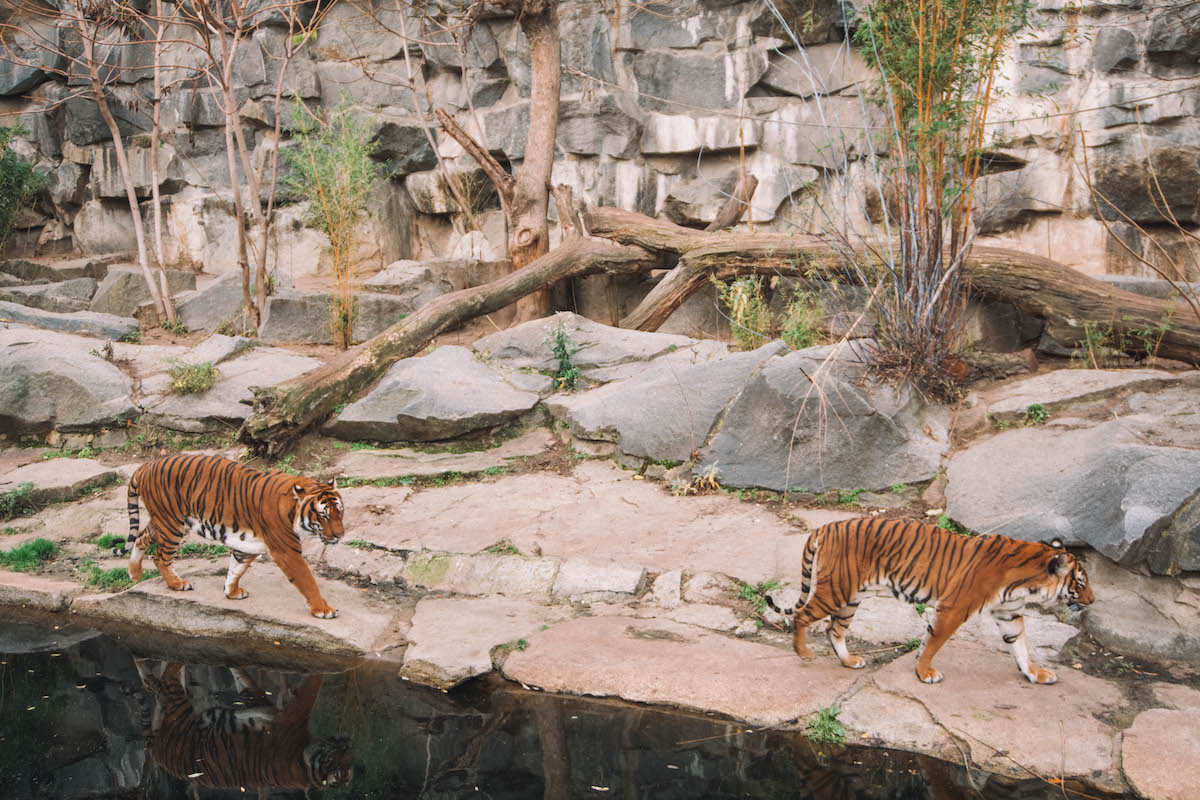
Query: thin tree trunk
point(283, 412)
point(155, 198)
point(139, 232)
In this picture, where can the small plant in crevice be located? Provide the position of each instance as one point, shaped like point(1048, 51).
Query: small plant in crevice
point(749, 314)
point(945, 523)
point(191, 378)
point(360, 544)
point(899, 488)
point(178, 328)
point(503, 547)
point(848, 497)
point(825, 727)
point(16, 502)
point(566, 375)
point(910, 644)
point(920, 608)
point(1036, 414)
point(757, 595)
point(801, 320)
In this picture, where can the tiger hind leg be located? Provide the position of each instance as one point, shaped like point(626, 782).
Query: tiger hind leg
point(819, 606)
point(141, 543)
point(839, 623)
point(164, 554)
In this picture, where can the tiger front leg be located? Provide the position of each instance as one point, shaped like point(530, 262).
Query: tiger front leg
point(296, 569)
point(1012, 627)
point(945, 623)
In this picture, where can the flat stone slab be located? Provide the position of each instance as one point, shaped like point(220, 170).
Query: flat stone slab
point(583, 580)
point(273, 613)
point(376, 464)
point(899, 723)
point(59, 479)
point(439, 396)
point(221, 407)
point(451, 639)
point(105, 326)
point(1160, 753)
point(990, 707)
point(660, 661)
point(483, 573)
point(578, 516)
point(36, 592)
point(1063, 388)
point(216, 349)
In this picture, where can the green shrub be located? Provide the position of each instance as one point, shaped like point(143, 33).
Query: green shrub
point(563, 346)
point(749, 315)
point(826, 727)
point(30, 555)
point(191, 378)
point(18, 183)
point(800, 320)
point(17, 501)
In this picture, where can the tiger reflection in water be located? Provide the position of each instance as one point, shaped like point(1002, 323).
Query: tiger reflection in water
point(257, 741)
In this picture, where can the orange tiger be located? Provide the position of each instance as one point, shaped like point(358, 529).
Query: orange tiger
point(249, 743)
point(249, 511)
point(917, 563)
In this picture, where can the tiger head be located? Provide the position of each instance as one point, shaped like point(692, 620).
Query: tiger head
point(1068, 577)
point(318, 511)
point(329, 762)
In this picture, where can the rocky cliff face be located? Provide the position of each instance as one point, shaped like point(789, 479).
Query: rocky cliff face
point(662, 106)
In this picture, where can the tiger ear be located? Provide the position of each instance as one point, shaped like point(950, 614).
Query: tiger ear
point(1059, 565)
point(297, 491)
point(1056, 543)
point(333, 483)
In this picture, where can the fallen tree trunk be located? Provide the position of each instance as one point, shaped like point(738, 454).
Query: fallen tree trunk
point(1069, 301)
point(283, 412)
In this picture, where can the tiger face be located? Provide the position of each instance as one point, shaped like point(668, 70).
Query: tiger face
point(319, 512)
point(1073, 580)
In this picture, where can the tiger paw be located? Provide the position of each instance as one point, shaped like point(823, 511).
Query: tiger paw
point(1041, 675)
point(241, 594)
point(184, 586)
point(929, 675)
point(855, 662)
point(325, 613)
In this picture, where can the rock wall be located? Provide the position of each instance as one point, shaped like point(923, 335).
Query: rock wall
point(661, 105)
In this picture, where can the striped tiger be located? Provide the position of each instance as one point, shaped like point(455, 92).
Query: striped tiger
point(249, 511)
point(919, 563)
point(243, 744)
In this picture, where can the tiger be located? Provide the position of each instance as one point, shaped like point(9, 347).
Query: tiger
point(243, 744)
point(919, 563)
point(249, 511)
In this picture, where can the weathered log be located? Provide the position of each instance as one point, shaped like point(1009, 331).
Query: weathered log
point(736, 204)
point(283, 412)
point(1069, 301)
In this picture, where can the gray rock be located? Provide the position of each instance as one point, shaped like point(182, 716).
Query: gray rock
point(648, 29)
point(104, 226)
point(216, 349)
point(340, 80)
point(85, 126)
point(1144, 617)
point(697, 202)
point(597, 347)
point(480, 50)
point(213, 306)
point(672, 82)
point(294, 316)
point(125, 288)
point(1104, 486)
point(820, 70)
point(1173, 45)
point(1059, 390)
point(67, 184)
point(1123, 177)
point(418, 282)
point(586, 47)
point(585, 581)
point(785, 431)
point(1149, 287)
point(60, 479)
point(812, 23)
point(28, 271)
point(43, 301)
point(506, 130)
point(1114, 49)
point(440, 396)
point(667, 411)
point(1172, 544)
point(403, 148)
point(106, 174)
point(348, 32)
point(602, 125)
point(103, 325)
point(226, 404)
point(375, 464)
point(50, 380)
point(1153, 749)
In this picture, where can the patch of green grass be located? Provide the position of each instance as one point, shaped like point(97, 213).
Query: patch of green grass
point(400, 480)
point(202, 549)
point(1036, 414)
point(920, 607)
point(191, 378)
point(910, 645)
point(899, 488)
point(947, 524)
point(825, 727)
point(16, 502)
point(30, 555)
point(284, 465)
point(757, 595)
point(339, 408)
point(799, 328)
point(133, 337)
point(110, 540)
point(83, 452)
point(495, 470)
point(849, 497)
point(356, 446)
point(503, 548)
point(111, 580)
point(360, 544)
point(178, 328)
point(10, 531)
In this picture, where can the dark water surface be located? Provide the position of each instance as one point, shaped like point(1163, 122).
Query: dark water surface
point(80, 717)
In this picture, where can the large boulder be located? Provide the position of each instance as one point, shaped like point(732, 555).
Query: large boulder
point(665, 79)
point(667, 411)
point(419, 282)
point(814, 419)
point(62, 297)
point(227, 403)
point(294, 316)
point(103, 325)
point(124, 288)
point(599, 352)
point(442, 395)
point(53, 381)
point(1148, 617)
point(105, 226)
point(1107, 486)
